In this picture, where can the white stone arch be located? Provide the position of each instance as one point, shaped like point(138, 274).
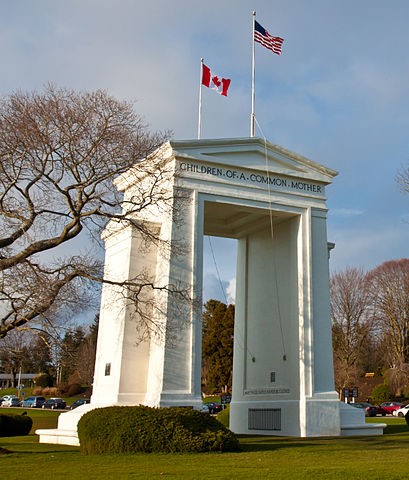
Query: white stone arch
point(274, 203)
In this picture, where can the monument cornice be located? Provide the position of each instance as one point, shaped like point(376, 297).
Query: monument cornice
point(216, 150)
point(245, 154)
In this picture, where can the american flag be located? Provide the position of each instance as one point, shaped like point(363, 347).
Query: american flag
point(262, 36)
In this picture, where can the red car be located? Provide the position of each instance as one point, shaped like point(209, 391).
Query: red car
point(389, 407)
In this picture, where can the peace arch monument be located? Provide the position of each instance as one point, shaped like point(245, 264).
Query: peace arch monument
point(273, 202)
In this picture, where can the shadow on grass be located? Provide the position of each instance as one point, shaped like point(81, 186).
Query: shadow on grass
point(395, 435)
point(29, 444)
point(396, 429)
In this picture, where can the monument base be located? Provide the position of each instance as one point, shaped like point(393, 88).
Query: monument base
point(281, 418)
point(66, 433)
point(353, 422)
point(314, 418)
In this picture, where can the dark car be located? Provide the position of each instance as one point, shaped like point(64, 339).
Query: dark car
point(370, 410)
point(55, 402)
point(33, 402)
point(390, 407)
point(214, 407)
point(77, 403)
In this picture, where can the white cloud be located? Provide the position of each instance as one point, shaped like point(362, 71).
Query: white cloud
point(338, 94)
point(231, 291)
point(214, 288)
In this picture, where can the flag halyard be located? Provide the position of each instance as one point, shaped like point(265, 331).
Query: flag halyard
point(268, 41)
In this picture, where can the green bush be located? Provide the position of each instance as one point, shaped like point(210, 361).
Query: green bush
point(145, 429)
point(14, 425)
point(224, 416)
point(381, 393)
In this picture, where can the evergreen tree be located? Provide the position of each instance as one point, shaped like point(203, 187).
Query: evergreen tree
point(40, 354)
point(77, 354)
point(217, 347)
point(86, 355)
point(69, 350)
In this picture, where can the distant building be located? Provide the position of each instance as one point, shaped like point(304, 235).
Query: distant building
point(26, 379)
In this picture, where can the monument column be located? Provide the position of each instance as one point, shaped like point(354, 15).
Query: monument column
point(319, 404)
point(175, 365)
point(122, 357)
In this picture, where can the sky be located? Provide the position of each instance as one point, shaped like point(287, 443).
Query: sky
point(338, 94)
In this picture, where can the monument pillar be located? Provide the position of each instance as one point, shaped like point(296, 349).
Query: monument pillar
point(165, 369)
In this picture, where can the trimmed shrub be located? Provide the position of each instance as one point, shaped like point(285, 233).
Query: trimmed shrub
point(146, 429)
point(15, 425)
point(51, 392)
point(224, 416)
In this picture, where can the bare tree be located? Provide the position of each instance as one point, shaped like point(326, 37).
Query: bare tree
point(351, 327)
point(390, 296)
point(403, 179)
point(15, 354)
point(60, 152)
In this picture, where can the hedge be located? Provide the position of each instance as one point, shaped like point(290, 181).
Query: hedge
point(15, 425)
point(145, 429)
point(224, 416)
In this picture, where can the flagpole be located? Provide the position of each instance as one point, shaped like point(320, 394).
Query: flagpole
point(253, 74)
point(199, 123)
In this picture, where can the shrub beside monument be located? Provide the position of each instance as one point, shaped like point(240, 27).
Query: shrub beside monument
point(15, 425)
point(146, 429)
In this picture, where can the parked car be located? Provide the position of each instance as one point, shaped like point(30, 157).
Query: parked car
point(370, 410)
point(14, 402)
point(390, 407)
point(33, 402)
point(402, 411)
point(10, 401)
point(381, 411)
point(54, 402)
point(214, 407)
point(77, 403)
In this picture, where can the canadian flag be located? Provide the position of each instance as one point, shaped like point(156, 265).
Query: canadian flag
point(209, 79)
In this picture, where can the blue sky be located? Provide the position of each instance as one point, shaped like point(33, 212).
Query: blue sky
point(339, 93)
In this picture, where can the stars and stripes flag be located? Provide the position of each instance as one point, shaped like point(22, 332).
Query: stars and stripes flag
point(260, 35)
point(264, 38)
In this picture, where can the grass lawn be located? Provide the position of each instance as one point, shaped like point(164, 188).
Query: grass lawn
point(361, 458)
